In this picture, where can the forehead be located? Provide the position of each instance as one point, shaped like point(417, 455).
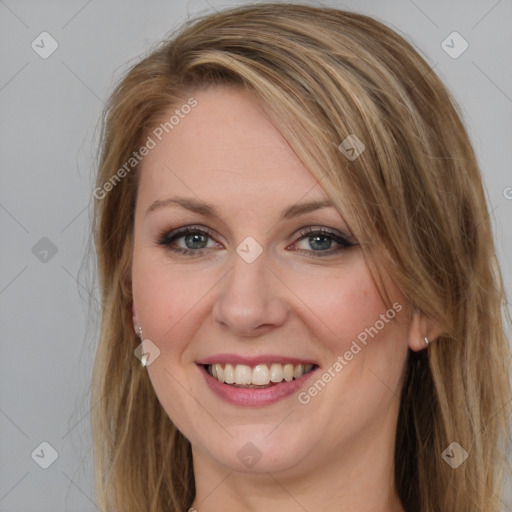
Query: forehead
point(225, 143)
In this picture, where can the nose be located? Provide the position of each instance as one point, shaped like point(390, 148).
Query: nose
point(251, 300)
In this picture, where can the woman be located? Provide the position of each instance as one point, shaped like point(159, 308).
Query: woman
point(293, 240)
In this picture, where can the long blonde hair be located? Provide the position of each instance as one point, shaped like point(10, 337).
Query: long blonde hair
point(414, 198)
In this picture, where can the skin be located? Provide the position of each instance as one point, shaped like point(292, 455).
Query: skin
point(334, 453)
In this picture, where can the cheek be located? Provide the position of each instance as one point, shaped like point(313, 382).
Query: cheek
point(151, 295)
point(165, 299)
point(340, 305)
point(168, 298)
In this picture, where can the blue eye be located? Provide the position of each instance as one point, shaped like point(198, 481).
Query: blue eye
point(198, 240)
point(321, 242)
point(195, 240)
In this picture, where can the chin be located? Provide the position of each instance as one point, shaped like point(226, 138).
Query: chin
point(253, 450)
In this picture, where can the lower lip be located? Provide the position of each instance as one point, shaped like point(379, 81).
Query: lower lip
point(254, 397)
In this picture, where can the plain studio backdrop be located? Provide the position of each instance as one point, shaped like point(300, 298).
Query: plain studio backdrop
point(59, 63)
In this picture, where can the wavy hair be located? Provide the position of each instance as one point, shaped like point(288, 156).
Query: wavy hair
point(414, 198)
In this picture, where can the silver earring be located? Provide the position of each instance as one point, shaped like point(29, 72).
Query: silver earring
point(144, 358)
point(426, 341)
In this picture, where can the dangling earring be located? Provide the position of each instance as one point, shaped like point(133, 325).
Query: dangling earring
point(426, 341)
point(143, 359)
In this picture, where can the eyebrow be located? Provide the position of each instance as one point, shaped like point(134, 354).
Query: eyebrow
point(208, 210)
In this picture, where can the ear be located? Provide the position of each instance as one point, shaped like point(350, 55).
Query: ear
point(135, 319)
point(422, 327)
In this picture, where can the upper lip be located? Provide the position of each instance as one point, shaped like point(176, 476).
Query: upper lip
point(253, 360)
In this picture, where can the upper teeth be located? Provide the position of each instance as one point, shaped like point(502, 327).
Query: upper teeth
point(260, 375)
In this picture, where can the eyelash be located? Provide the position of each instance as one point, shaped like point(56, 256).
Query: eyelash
point(166, 239)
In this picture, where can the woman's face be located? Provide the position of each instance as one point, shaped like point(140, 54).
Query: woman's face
point(267, 284)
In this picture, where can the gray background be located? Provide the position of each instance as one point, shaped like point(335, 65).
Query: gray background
point(49, 117)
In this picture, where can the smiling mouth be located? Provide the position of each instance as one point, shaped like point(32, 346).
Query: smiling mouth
point(260, 376)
